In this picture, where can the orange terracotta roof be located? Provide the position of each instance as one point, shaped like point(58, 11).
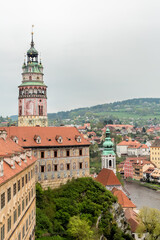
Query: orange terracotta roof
point(107, 178)
point(144, 146)
point(82, 128)
point(143, 162)
point(149, 170)
point(136, 158)
point(128, 143)
point(9, 172)
point(132, 219)
point(119, 125)
point(138, 145)
point(9, 147)
point(123, 199)
point(156, 143)
point(48, 135)
point(150, 130)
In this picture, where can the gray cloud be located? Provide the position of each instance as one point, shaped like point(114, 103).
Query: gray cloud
point(92, 51)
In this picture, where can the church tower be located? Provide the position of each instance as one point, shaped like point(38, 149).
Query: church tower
point(32, 92)
point(108, 155)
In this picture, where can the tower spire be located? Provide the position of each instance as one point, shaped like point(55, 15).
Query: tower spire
point(32, 43)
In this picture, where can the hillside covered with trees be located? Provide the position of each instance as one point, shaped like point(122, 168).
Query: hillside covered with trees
point(129, 111)
point(139, 107)
point(82, 209)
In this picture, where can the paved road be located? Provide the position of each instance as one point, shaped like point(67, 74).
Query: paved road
point(142, 196)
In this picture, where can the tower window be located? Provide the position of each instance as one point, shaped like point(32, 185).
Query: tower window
point(20, 110)
point(110, 163)
point(40, 110)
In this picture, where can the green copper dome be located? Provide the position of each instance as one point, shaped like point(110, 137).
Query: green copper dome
point(108, 144)
point(33, 51)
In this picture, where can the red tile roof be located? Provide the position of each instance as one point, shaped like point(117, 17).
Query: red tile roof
point(128, 143)
point(144, 146)
point(8, 147)
point(107, 178)
point(10, 172)
point(132, 219)
point(119, 125)
point(48, 135)
point(149, 170)
point(123, 199)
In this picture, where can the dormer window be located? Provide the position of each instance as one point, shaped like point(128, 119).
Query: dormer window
point(78, 138)
point(37, 139)
point(15, 139)
point(59, 139)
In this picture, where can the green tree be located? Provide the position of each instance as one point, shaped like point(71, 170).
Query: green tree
point(149, 223)
point(79, 229)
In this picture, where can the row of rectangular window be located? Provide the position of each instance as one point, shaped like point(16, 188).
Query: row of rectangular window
point(16, 186)
point(9, 224)
point(42, 169)
point(56, 153)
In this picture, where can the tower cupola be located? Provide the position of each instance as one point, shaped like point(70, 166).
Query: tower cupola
point(32, 53)
point(108, 144)
point(108, 155)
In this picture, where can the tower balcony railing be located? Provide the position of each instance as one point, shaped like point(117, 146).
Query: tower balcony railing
point(33, 95)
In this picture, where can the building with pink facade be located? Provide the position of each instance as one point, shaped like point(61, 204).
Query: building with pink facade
point(32, 92)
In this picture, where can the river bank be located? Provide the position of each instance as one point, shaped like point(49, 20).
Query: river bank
point(142, 196)
point(152, 186)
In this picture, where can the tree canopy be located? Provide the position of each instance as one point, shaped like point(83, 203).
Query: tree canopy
point(149, 219)
point(66, 211)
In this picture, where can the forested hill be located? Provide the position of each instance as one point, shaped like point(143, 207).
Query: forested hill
point(137, 106)
point(127, 110)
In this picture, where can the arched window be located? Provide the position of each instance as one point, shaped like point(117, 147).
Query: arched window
point(110, 163)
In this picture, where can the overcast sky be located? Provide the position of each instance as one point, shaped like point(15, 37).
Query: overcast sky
point(93, 51)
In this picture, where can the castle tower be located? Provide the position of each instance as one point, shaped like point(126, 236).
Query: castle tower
point(32, 92)
point(108, 155)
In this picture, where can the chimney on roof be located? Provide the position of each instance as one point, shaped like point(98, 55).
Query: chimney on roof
point(1, 167)
point(141, 162)
point(137, 161)
point(3, 134)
